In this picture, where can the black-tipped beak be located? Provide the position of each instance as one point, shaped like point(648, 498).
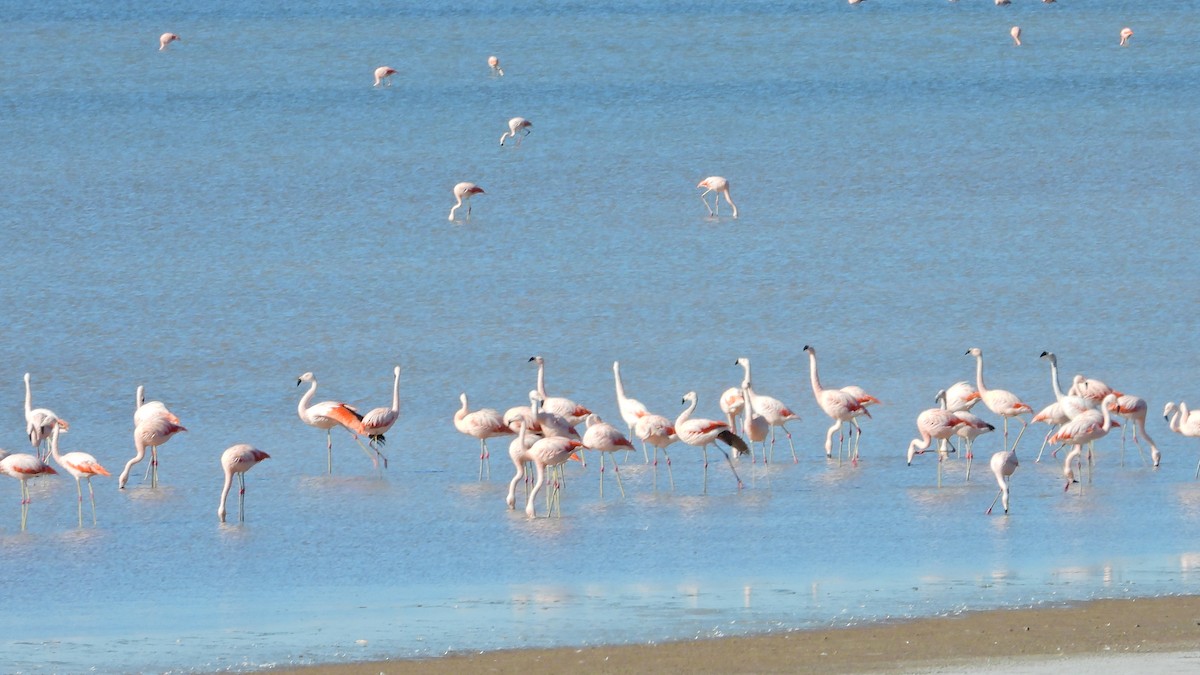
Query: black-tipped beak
point(299, 382)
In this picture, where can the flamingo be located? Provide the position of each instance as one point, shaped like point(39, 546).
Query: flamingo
point(383, 75)
point(771, 409)
point(24, 466)
point(551, 424)
point(1086, 428)
point(657, 431)
point(1054, 416)
point(514, 125)
point(483, 424)
point(166, 39)
point(721, 187)
point(494, 64)
point(754, 426)
point(462, 194)
point(1184, 422)
point(605, 439)
point(380, 420)
point(523, 414)
point(838, 404)
point(144, 410)
point(1016, 36)
point(972, 426)
point(563, 407)
point(1003, 464)
point(238, 459)
point(152, 432)
point(1003, 403)
point(960, 396)
point(549, 452)
point(1126, 33)
point(1092, 390)
point(80, 465)
point(932, 423)
point(518, 451)
point(39, 422)
point(701, 433)
point(1072, 405)
point(732, 403)
point(327, 415)
point(1001, 3)
point(1133, 409)
point(631, 408)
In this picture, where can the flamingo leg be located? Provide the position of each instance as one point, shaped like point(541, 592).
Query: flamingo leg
point(1197, 470)
point(939, 462)
point(795, 460)
point(145, 476)
point(241, 497)
point(329, 451)
point(617, 472)
point(374, 462)
point(79, 491)
point(731, 468)
point(1044, 442)
point(705, 449)
point(24, 504)
point(153, 468)
point(92, 495)
point(710, 211)
point(998, 493)
point(602, 476)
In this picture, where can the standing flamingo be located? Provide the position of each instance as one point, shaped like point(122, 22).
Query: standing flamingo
point(1072, 405)
point(166, 39)
point(1184, 422)
point(771, 409)
point(238, 459)
point(838, 404)
point(518, 451)
point(631, 408)
point(24, 466)
point(1003, 464)
point(732, 403)
point(144, 410)
point(327, 415)
point(754, 426)
point(1054, 416)
point(549, 452)
point(701, 433)
point(515, 125)
point(551, 424)
point(721, 187)
point(932, 423)
point(383, 75)
point(657, 431)
point(1086, 428)
point(524, 414)
point(1092, 390)
point(1003, 403)
point(80, 465)
point(971, 428)
point(1133, 409)
point(961, 396)
point(380, 420)
point(563, 407)
point(483, 424)
point(1126, 33)
point(494, 65)
point(39, 422)
point(152, 432)
point(605, 439)
point(1016, 36)
point(462, 195)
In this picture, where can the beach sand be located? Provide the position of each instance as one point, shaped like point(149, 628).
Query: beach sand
point(1159, 635)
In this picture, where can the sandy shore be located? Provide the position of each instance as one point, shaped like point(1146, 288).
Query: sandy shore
point(1100, 635)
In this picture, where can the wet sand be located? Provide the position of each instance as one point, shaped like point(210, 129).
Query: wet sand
point(1165, 632)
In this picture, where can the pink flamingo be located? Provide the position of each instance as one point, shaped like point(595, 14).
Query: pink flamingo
point(933, 423)
point(721, 187)
point(732, 403)
point(1016, 36)
point(483, 424)
point(1003, 403)
point(1003, 464)
point(383, 76)
point(23, 466)
point(1133, 409)
point(515, 125)
point(524, 414)
point(961, 396)
point(462, 195)
point(1090, 389)
point(1126, 33)
point(144, 410)
point(563, 407)
point(152, 432)
point(238, 459)
point(1072, 405)
point(551, 424)
point(631, 409)
point(701, 433)
point(972, 426)
point(657, 431)
point(518, 452)
point(1054, 416)
point(1086, 428)
point(80, 465)
point(771, 409)
point(549, 452)
point(494, 64)
point(166, 39)
point(754, 426)
point(838, 404)
point(1184, 422)
point(327, 415)
point(380, 420)
point(39, 422)
point(605, 439)
point(867, 401)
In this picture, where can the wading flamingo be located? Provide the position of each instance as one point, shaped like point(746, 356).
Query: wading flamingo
point(867, 401)
point(607, 440)
point(462, 195)
point(732, 403)
point(754, 426)
point(932, 423)
point(80, 465)
point(1003, 464)
point(166, 39)
point(1184, 422)
point(39, 422)
point(971, 428)
point(1086, 428)
point(1054, 416)
point(383, 76)
point(327, 415)
point(1072, 405)
point(720, 186)
point(961, 396)
point(631, 408)
point(515, 125)
point(657, 431)
point(1091, 389)
point(701, 433)
point(24, 466)
point(549, 452)
point(1016, 36)
point(518, 452)
point(494, 65)
point(550, 423)
point(483, 424)
point(152, 432)
point(563, 407)
point(1126, 33)
point(771, 409)
point(238, 459)
point(838, 404)
point(380, 420)
point(1133, 409)
point(1003, 403)
point(523, 414)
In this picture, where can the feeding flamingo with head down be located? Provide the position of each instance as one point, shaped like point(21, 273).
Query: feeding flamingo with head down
point(238, 459)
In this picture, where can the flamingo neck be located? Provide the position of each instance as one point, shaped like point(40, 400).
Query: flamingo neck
point(620, 386)
point(730, 200)
point(302, 407)
point(396, 394)
point(812, 375)
point(1058, 394)
point(28, 397)
point(979, 375)
point(683, 416)
point(141, 396)
point(541, 380)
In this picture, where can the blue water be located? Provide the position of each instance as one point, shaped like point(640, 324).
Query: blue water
point(214, 220)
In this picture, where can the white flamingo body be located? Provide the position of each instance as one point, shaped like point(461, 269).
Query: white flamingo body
point(840, 405)
point(81, 466)
point(699, 432)
point(40, 422)
point(732, 403)
point(383, 76)
point(380, 420)
point(755, 427)
point(548, 452)
point(605, 439)
point(1091, 389)
point(932, 423)
point(1085, 428)
point(23, 466)
point(483, 424)
point(631, 409)
point(516, 126)
point(999, 401)
point(1071, 404)
point(146, 410)
point(1003, 465)
point(238, 459)
point(1016, 36)
point(658, 432)
point(518, 452)
point(720, 186)
point(327, 415)
point(961, 396)
point(1134, 409)
point(166, 39)
point(151, 433)
point(1183, 421)
point(462, 195)
point(563, 407)
point(1126, 33)
point(494, 65)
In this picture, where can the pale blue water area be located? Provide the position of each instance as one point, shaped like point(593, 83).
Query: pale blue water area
point(214, 220)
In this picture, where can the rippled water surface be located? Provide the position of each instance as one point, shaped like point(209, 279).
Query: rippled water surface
point(213, 220)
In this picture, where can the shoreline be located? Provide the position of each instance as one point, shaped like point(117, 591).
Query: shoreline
point(973, 640)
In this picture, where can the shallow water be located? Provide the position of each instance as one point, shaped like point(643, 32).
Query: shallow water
point(213, 220)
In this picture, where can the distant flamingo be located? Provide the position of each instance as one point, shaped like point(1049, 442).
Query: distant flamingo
point(483, 424)
point(327, 415)
point(238, 459)
point(564, 407)
point(1001, 3)
point(837, 404)
point(1003, 403)
point(518, 452)
point(23, 466)
point(515, 125)
point(631, 409)
point(1086, 428)
point(383, 76)
point(380, 420)
point(771, 409)
point(700, 433)
point(166, 39)
point(1184, 422)
point(657, 431)
point(1071, 405)
point(1016, 36)
point(462, 194)
point(1003, 464)
point(494, 64)
point(39, 422)
point(932, 423)
point(1126, 33)
point(549, 452)
point(152, 432)
point(1133, 409)
point(754, 426)
point(721, 187)
point(605, 439)
point(80, 465)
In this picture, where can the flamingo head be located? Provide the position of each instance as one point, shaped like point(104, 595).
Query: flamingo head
point(974, 351)
point(307, 377)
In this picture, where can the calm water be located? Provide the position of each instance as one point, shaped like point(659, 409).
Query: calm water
point(213, 220)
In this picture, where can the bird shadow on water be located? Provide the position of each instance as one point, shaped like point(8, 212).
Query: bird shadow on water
point(148, 494)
